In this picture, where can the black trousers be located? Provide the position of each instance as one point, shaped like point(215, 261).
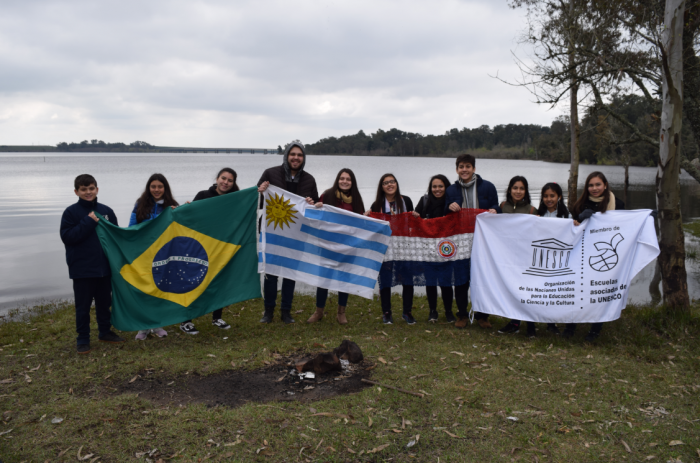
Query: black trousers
point(595, 327)
point(85, 290)
point(447, 297)
point(385, 297)
point(462, 298)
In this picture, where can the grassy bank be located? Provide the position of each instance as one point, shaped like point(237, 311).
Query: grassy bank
point(630, 396)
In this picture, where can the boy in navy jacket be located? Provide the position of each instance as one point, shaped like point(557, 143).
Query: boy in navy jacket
point(470, 191)
point(87, 264)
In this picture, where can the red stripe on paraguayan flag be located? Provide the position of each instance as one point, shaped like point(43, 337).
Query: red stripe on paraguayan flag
point(407, 225)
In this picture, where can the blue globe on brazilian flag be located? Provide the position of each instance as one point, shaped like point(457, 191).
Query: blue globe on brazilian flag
point(185, 263)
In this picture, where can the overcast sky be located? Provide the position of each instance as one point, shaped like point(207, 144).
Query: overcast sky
point(255, 73)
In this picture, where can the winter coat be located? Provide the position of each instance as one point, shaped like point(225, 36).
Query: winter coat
point(430, 207)
point(155, 212)
point(381, 209)
point(84, 254)
point(595, 207)
point(303, 184)
point(520, 208)
point(488, 196)
point(326, 198)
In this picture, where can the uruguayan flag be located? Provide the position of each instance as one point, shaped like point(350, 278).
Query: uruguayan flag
point(325, 247)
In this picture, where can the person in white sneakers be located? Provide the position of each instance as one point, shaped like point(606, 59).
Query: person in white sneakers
point(225, 183)
point(153, 201)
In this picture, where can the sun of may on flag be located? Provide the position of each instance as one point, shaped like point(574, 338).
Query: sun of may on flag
point(185, 263)
point(326, 247)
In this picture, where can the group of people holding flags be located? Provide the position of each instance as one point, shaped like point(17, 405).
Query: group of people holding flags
point(91, 273)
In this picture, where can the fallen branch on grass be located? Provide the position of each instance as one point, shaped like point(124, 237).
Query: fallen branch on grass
point(417, 394)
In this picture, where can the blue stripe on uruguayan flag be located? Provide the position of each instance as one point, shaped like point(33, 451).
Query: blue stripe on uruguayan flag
point(342, 219)
point(347, 240)
point(308, 248)
point(317, 270)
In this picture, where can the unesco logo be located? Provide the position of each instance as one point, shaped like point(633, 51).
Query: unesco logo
point(180, 265)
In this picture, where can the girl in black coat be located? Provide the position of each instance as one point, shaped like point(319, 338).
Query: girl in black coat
point(596, 197)
point(390, 201)
point(431, 206)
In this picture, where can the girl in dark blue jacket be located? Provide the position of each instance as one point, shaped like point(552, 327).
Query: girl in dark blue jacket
point(153, 201)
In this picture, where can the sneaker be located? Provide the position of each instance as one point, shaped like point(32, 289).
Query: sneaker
point(510, 328)
point(568, 334)
point(450, 317)
point(287, 318)
point(188, 328)
point(387, 319)
point(220, 324)
point(433, 316)
point(408, 318)
point(552, 328)
point(84, 348)
point(160, 332)
point(267, 317)
point(112, 338)
point(462, 322)
point(531, 330)
point(142, 335)
point(591, 336)
point(484, 323)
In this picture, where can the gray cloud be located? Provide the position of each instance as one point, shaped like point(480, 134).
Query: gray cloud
point(254, 73)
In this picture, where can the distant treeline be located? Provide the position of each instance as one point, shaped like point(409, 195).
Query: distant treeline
point(600, 141)
point(99, 145)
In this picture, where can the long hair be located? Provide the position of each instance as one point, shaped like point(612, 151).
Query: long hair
point(145, 203)
point(518, 178)
point(378, 204)
point(578, 207)
point(444, 181)
point(235, 177)
point(357, 205)
point(561, 208)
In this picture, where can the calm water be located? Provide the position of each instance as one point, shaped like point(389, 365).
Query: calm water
point(35, 189)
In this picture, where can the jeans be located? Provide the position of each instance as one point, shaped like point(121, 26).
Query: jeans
point(270, 293)
point(85, 290)
point(385, 296)
point(322, 295)
point(447, 296)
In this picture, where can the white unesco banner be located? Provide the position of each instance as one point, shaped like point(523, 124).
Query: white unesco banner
point(549, 270)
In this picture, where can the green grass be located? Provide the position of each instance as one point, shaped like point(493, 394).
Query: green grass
point(636, 387)
point(693, 228)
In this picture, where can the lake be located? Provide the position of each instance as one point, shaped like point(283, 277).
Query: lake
point(35, 189)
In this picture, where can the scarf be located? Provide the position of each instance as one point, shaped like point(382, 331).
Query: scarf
point(387, 206)
point(599, 199)
point(469, 195)
point(342, 196)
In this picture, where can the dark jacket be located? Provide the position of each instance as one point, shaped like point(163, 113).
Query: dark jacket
point(381, 209)
point(303, 183)
point(430, 207)
point(488, 196)
point(155, 212)
point(595, 207)
point(212, 193)
point(84, 254)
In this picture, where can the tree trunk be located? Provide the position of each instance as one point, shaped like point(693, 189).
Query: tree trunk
point(573, 170)
point(671, 238)
point(627, 182)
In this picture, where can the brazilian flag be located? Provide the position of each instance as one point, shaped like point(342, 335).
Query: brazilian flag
point(185, 263)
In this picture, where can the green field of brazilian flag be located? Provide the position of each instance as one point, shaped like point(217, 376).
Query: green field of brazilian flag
point(185, 263)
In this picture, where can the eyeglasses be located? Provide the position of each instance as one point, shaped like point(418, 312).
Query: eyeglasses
point(389, 182)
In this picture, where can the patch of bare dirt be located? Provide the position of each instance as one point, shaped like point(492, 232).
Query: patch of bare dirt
point(279, 382)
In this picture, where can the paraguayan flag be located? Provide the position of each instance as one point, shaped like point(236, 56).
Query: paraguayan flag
point(326, 247)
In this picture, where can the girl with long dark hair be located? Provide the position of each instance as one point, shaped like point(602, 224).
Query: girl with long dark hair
point(552, 202)
point(153, 201)
point(225, 183)
point(389, 200)
point(344, 194)
point(431, 206)
point(518, 202)
point(596, 197)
